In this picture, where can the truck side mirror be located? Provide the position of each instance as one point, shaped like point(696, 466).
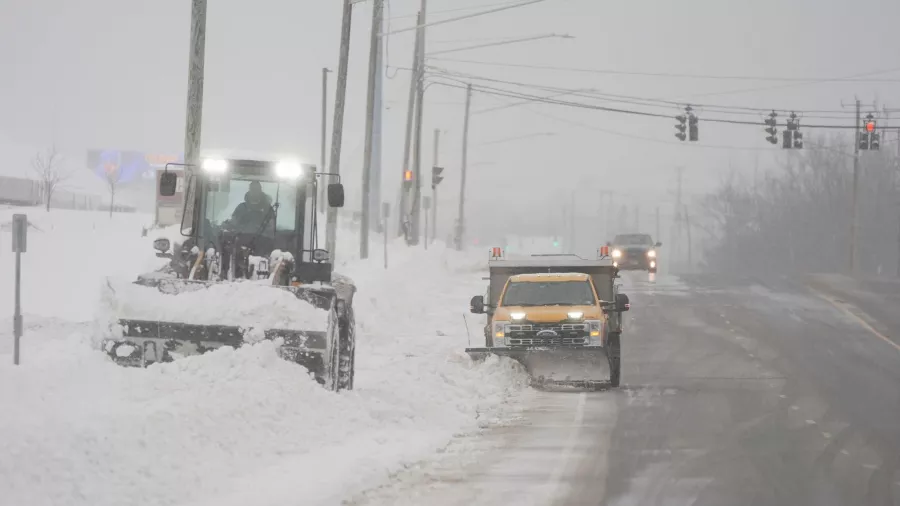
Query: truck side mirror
point(168, 182)
point(476, 305)
point(622, 302)
point(658, 244)
point(336, 195)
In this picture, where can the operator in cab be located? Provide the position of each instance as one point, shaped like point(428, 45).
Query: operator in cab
point(250, 214)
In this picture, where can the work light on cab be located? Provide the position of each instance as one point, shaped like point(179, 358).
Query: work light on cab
point(215, 166)
point(288, 170)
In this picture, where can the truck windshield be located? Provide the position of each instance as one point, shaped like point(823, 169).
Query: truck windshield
point(245, 203)
point(551, 293)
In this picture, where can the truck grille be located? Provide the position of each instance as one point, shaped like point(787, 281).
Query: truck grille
point(567, 334)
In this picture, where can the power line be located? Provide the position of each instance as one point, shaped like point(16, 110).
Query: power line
point(672, 74)
point(651, 102)
point(513, 94)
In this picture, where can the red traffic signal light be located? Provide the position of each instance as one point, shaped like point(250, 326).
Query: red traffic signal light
point(870, 126)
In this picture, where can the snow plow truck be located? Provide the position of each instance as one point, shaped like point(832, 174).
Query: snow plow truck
point(246, 223)
point(559, 315)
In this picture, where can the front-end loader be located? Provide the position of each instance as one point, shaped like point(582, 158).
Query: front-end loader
point(252, 222)
point(558, 315)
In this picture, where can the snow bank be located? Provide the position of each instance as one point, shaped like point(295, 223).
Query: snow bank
point(69, 253)
point(237, 427)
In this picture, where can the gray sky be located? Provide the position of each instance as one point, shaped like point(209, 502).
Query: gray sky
point(112, 73)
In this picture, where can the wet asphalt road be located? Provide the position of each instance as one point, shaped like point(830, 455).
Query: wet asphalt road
point(735, 392)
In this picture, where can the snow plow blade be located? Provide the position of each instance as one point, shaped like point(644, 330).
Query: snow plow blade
point(557, 367)
point(146, 342)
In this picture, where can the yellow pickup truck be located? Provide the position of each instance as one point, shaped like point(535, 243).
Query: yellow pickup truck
point(556, 306)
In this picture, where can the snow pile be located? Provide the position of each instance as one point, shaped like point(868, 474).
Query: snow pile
point(68, 254)
point(243, 426)
point(247, 304)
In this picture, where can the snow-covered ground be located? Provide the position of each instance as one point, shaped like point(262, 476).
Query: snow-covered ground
point(232, 426)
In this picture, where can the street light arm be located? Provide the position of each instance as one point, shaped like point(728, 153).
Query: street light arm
point(460, 18)
point(501, 43)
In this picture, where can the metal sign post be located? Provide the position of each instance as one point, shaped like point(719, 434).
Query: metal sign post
point(385, 214)
point(19, 246)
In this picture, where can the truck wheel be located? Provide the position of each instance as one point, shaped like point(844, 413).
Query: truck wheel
point(346, 353)
point(614, 351)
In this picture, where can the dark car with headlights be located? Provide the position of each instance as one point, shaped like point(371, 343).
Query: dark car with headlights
point(635, 252)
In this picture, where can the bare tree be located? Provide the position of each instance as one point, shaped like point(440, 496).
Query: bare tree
point(113, 177)
point(48, 166)
point(797, 217)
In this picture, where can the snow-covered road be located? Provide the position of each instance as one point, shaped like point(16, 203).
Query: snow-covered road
point(232, 426)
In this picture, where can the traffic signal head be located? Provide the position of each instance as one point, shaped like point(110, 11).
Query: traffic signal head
point(436, 176)
point(787, 139)
point(798, 140)
point(771, 130)
point(870, 126)
point(680, 127)
point(407, 178)
point(693, 130)
point(875, 141)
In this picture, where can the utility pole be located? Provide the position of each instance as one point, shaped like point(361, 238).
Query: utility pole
point(375, 172)
point(192, 125)
point(854, 222)
point(370, 123)
point(416, 211)
point(460, 224)
point(337, 132)
point(434, 195)
point(323, 154)
point(403, 212)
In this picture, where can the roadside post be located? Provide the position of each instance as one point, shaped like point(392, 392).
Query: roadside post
point(385, 214)
point(19, 246)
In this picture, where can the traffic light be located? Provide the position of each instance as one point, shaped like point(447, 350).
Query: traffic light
point(407, 179)
point(681, 127)
point(436, 176)
point(792, 138)
point(692, 128)
point(771, 130)
point(869, 138)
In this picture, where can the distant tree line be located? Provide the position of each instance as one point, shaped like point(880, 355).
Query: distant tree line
point(796, 218)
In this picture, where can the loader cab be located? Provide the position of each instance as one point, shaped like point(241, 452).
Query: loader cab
point(262, 205)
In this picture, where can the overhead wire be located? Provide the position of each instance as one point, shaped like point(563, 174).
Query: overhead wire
point(587, 93)
point(672, 74)
point(459, 83)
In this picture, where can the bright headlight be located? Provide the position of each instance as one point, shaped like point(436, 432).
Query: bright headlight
point(575, 315)
point(517, 316)
point(288, 170)
point(214, 166)
point(617, 253)
point(651, 253)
